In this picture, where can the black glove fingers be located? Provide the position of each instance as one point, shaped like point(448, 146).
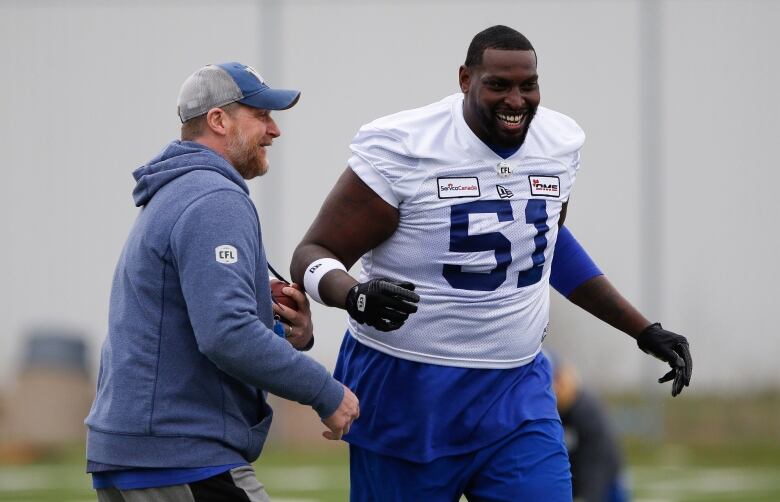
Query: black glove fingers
point(673, 349)
point(395, 291)
point(672, 374)
point(405, 285)
point(685, 352)
point(399, 305)
point(392, 315)
point(668, 355)
point(678, 384)
point(382, 303)
point(677, 362)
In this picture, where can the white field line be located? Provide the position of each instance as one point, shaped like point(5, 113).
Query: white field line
point(664, 482)
point(649, 483)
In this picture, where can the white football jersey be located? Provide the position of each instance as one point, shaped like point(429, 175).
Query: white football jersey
point(476, 232)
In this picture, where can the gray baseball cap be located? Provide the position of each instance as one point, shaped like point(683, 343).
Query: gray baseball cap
point(218, 85)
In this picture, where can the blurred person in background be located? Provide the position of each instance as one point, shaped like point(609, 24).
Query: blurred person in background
point(192, 346)
point(594, 450)
point(461, 202)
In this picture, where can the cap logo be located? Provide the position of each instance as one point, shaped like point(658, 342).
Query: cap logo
point(226, 254)
point(251, 70)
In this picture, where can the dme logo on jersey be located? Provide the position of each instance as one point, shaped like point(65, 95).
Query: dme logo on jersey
point(226, 254)
point(451, 188)
point(545, 186)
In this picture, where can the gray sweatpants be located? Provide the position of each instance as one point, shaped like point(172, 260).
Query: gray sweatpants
point(243, 478)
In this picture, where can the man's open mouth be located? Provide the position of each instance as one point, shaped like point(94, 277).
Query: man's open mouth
point(512, 120)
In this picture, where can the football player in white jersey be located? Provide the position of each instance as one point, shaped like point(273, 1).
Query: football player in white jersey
point(454, 210)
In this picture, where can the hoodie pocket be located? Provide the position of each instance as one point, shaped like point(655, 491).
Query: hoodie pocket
point(257, 434)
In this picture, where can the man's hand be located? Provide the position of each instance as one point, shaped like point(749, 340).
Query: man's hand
point(299, 329)
point(382, 303)
point(671, 348)
point(341, 420)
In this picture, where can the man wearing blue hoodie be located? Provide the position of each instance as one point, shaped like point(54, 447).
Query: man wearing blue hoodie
point(192, 346)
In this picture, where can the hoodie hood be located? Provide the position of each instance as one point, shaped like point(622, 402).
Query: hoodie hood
point(178, 159)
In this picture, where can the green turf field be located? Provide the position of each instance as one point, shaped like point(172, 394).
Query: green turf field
point(669, 473)
point(712, 450)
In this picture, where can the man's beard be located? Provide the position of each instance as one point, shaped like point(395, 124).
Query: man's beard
point(502, 139)
point(245, 157)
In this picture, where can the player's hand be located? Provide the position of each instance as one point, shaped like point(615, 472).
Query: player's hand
point(670, 348)
point(298, 326)
point(382, 303)
point(341, 420)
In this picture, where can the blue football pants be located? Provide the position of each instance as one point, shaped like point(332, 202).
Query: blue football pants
point(531, 465)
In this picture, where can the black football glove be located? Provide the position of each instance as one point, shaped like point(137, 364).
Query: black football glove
point(382, 303)
point(671, 348)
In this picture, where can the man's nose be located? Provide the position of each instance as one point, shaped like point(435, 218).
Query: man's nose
point(515, 98)
point(273, 129)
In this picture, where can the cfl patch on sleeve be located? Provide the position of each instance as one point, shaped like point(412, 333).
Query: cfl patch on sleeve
point(226, 254)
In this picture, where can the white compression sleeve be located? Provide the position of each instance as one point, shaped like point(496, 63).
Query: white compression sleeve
point(314, 273)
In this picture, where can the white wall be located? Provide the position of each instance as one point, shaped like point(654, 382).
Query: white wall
point(89, 94)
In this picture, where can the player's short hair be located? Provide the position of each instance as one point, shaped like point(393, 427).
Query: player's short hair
point(196, 126)
point(496, 37)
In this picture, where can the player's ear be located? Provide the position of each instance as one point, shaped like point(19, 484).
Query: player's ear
point(464, 77)
point(215, 120)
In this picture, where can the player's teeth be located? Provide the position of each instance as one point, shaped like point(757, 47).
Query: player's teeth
point(510, 118)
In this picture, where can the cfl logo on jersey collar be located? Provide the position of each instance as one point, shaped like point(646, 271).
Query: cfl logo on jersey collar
point(504, 169)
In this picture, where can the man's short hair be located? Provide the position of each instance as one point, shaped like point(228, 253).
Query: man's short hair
point(196, 126)
point(495, 37)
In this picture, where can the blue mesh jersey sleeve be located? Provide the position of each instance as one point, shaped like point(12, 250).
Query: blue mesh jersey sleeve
point(571, 265)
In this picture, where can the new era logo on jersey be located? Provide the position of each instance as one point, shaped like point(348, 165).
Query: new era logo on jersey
point(545, 186)
point(226, 254)
point(504, 192)
point(451, 188)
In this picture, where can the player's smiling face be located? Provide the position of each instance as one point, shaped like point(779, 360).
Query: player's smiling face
point(250, 131)
point(501, 95)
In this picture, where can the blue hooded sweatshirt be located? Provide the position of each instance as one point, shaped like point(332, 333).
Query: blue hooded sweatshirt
point(190, 351)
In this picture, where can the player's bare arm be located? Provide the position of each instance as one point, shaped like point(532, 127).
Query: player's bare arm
point(353, 219)
point(600, 298)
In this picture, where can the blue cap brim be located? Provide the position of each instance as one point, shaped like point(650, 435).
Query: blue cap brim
point(272, 99)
